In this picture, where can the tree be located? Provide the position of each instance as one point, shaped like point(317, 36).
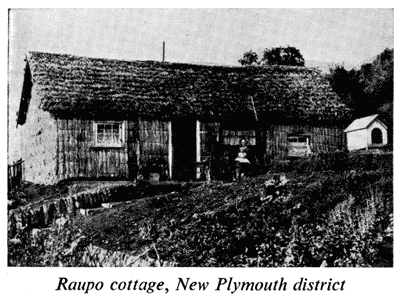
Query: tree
point(274, 56)
point(339, 78)
point(378, 77)
point(249, 58)
point(368, 90)
point(283, 56)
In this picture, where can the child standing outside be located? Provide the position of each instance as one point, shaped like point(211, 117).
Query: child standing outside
point(242, 160)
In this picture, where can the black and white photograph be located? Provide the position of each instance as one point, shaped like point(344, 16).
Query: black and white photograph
point(257, 137)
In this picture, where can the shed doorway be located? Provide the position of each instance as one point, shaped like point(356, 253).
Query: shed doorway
point(184, 149)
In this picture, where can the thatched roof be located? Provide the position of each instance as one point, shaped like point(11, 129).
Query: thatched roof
point(71, 86)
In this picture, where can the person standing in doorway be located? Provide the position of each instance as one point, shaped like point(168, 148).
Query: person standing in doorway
point(242, 160)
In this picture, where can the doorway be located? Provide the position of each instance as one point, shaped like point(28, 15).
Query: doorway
point(184, 149)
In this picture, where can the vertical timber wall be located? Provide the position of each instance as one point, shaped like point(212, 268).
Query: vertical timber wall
point(79, 158)
point(154, 139)
point(209, 138)
point(322, 139)
point(274, 138)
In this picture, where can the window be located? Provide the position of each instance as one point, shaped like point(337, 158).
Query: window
point(233, 137)
point(376, 136)
point(298, 145)
point(298, 139)
point(108, 134)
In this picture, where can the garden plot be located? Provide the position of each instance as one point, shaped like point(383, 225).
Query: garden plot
point(327, 218)
point(302, 223)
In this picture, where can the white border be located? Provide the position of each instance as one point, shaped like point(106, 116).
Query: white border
point(375, 282)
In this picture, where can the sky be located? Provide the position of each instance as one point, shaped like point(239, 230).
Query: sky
point(202, 35)
point(207, 36)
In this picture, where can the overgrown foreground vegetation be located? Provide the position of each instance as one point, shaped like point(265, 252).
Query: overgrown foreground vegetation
point(326, 218)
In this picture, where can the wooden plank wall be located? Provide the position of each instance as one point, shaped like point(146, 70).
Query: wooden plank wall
point(322, 139)
point(78, 158)
point(274, 138)
point(133, 148)
point(209, 133)
point(154, 140)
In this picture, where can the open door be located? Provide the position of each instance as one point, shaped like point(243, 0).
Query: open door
point(184, 149)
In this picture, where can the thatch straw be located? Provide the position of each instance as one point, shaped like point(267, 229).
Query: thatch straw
point(88, 87)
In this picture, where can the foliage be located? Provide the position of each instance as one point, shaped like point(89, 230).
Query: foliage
point(283, 56)
point(56, 246)
point(369, 88)
point(249, 58)
point(377, 77)
point(274, 56)
point(341, 161)
point(31, 192)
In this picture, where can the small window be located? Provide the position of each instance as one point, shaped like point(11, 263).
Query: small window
point(298, 146)
point(108, 134)
point(302, 140)
point(376, 136)
point(293, 139)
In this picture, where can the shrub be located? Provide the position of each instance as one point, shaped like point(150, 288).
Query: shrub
point(50, 247)
point(335, 161)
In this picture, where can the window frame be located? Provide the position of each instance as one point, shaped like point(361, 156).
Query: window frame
point(295, 139)
point(121, 130)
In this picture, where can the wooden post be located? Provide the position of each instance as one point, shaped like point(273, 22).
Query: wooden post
point(218, 153)
point(126, 150)
point(170, 149)
point(198, 148)
point(138, 152)
point(58, 151)
point(260, 146)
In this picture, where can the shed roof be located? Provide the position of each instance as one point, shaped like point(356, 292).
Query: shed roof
point(71, 86)
point(361, 123)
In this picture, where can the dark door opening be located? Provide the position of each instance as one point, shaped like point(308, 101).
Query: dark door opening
point(376, 136)
point(184, 149)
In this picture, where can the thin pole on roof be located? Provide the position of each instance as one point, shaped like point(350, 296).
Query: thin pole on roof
point(163, 51)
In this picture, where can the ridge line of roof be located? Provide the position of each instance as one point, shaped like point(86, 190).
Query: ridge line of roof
point(304, 68)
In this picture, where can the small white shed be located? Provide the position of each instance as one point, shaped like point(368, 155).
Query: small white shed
point(367, 132)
